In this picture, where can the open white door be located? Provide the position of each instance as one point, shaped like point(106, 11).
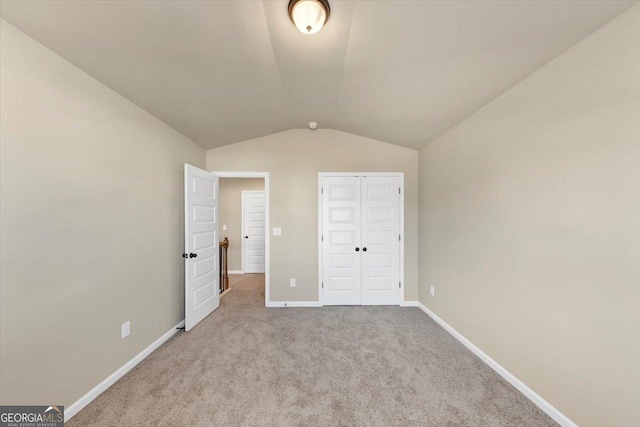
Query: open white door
point(201, 282)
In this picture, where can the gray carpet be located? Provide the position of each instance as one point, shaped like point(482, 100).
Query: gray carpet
point(246, 365)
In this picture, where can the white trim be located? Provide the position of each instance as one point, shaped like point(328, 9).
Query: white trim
point(235, 272)
point(289, 304)
point(409, 303)
point(267, 224)
point(77, 406)
point(229, 174)
point(402, 239)
point(242, 230)
point(402, 242)
point(549, 409)
point(348, 174)
point(320, 222)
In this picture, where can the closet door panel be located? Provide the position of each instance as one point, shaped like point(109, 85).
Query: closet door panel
point(380, 240)
point(341, 225)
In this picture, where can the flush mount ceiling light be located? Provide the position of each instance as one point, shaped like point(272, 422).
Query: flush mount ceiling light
point(309, 16)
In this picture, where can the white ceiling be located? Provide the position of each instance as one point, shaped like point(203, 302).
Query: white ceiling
point(225, 71)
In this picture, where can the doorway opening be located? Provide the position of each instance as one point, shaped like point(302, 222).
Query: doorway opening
point(244, 220)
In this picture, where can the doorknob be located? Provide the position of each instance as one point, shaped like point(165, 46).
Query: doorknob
point(357, 249)
point(246, 237)
point(192, 255)
point(185, 255)
point(364, 249)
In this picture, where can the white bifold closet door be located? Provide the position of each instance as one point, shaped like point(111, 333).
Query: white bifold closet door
point(361, 240)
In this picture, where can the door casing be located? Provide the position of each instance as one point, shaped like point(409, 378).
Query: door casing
point(267, 227)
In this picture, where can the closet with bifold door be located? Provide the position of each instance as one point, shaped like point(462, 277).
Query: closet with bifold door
point(360, 238)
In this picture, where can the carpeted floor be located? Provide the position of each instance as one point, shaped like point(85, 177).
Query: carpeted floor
point(246, 365)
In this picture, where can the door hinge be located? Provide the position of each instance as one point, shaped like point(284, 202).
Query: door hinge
point(322, 285)
point(399, 190)
point(321, 190)
point(399, 238)
point(399, 284)
point(322, 238)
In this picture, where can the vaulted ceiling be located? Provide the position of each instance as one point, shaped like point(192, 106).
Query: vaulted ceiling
point(225, 71)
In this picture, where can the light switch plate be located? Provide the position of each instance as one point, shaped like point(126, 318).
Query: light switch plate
point(277, 231)
point(224, 228)
point(126, 329)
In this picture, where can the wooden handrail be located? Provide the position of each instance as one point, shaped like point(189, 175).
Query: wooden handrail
point(224, 265)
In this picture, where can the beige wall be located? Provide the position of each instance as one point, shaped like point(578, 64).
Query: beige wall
point(293, 159)
point(91, 223)
point(530, 228)
point(231, 214)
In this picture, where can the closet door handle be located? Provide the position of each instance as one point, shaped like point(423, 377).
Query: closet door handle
point(357, 249)
point(364, 249)
point(192, 255)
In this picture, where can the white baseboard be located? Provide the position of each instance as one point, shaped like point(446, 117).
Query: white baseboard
point(549, 409)
point(318, 304)
point(97, 390)
point(235, 272)
point(293, 304)
point(409, 304)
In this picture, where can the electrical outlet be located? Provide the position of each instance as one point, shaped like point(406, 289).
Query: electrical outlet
point(432, 291)
point(126, 329)
point(292, 282)
point(277, 231)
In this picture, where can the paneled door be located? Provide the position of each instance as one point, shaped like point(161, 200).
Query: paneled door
point(341, 241)
point(253, 228)
point(202, 287)
point(380, 240)
point(360, 240)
